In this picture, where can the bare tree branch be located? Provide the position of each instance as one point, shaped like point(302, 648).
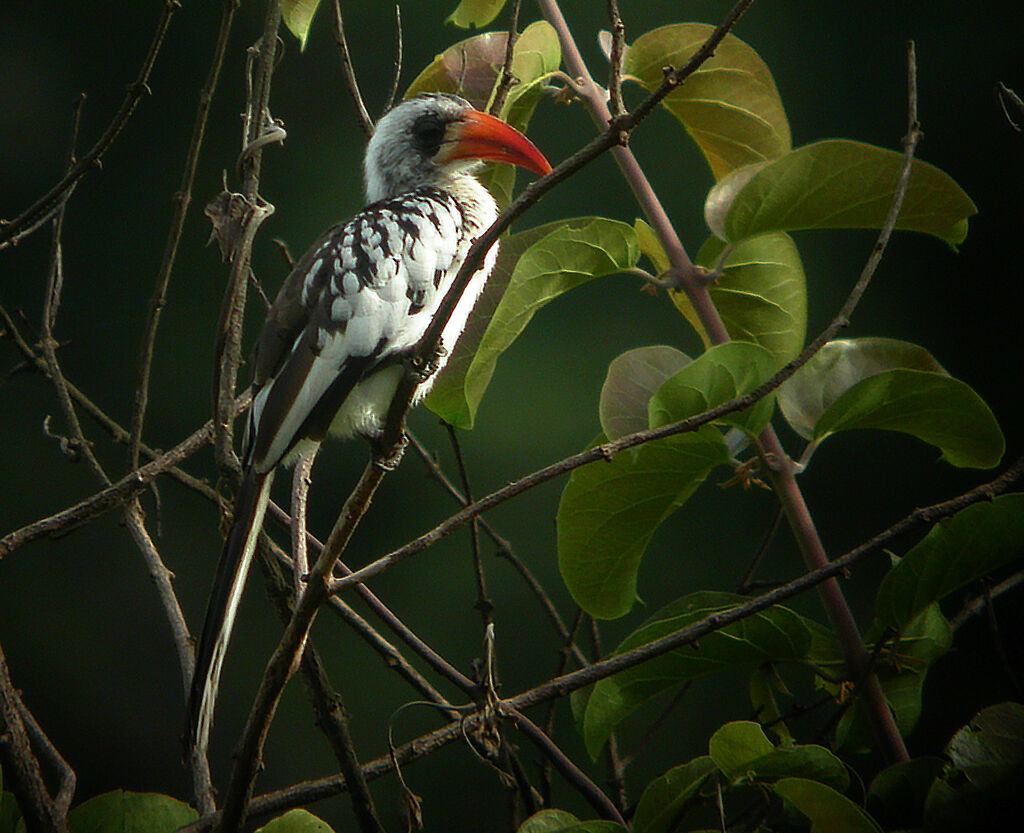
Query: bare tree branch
point(351, 82)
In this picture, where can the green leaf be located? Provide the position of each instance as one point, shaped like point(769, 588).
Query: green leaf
point(985, 776)
point(828, 810)
point(559, 821)
point(836, 368)
point(533, 268)
point(730, 106)
point(633, 378)
point(298, 16)
point(836, 183)
point(763, 683)
point(774, 635)
point(933, 407)
point(296, 821)
point(896, 797)
point(956, 551)
point(762, 297)
point(9, 814)
point(735, 745)
point(473, 14)
point(742, 751)
point(610, 509)
point(127, 812)
point(666, 797)
point(718, 375)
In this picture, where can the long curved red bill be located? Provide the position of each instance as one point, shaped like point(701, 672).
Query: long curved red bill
point(480, 136)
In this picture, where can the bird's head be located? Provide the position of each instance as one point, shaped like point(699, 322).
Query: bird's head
point(431, 138)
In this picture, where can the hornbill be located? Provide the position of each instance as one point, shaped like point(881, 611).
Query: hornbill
point(329, 358)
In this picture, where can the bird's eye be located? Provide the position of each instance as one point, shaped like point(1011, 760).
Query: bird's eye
point(428, 133)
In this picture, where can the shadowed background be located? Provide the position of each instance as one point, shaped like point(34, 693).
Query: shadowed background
point(79, 621)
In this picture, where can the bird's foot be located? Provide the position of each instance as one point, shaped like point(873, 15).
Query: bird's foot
point(387, 456)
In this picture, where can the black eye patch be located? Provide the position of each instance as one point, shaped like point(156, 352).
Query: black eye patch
point(428, 133)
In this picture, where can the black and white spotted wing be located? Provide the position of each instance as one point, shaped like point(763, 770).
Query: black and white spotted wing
point(365, 292)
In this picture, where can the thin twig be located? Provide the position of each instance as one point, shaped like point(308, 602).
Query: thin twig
point(505, 79)
point(300, 492)
point(766, 541)
point(977, 604)
point(38, 213)
point(67, 780)
point(182, 200)
point(396, 78)
point(483, 601)
point(564, 764)
point(618, 51)
point(351, 82)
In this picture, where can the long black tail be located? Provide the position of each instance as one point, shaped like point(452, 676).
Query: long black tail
point(224, 598)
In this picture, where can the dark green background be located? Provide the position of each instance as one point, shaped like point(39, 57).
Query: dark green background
point(79, 620)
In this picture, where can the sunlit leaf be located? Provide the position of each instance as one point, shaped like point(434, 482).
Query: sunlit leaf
point(296, 821)
point(127, 812)
point(470, 14)
point(985, 775)
point(762, 297)
point(633, 378)
point(829, 811)
point(730, 106)
point(735, 745)
point(836, 368)
point(610, 509)
point(533, 269)
point(774, 635)
point(932, 407)
point(667, 796)
point(717, 376)
point(956, 551)
point(298, 16)
point(836, 183)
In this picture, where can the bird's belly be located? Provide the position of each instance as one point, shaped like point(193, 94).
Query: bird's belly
point(365, 409)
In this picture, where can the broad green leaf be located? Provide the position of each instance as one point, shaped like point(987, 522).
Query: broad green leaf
point(558, 821)
point(633, 378)
point(610, 509)
point(902, 666)
point(127, 812)
point(718, 375)
point(836, 183)
point(730, 106)
point(298, 16)
point(897, 794)
point(666, 797)
point(933, 407)
point(296, 821)
point(472, 14)
point(774, 635)
point(828, 810)
point(955, 552)
point(735, 745)
point(471, 67)
point(836, 368)
point(985, 776)
point(539, 265)
point(742, 751)
point(762, 297)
